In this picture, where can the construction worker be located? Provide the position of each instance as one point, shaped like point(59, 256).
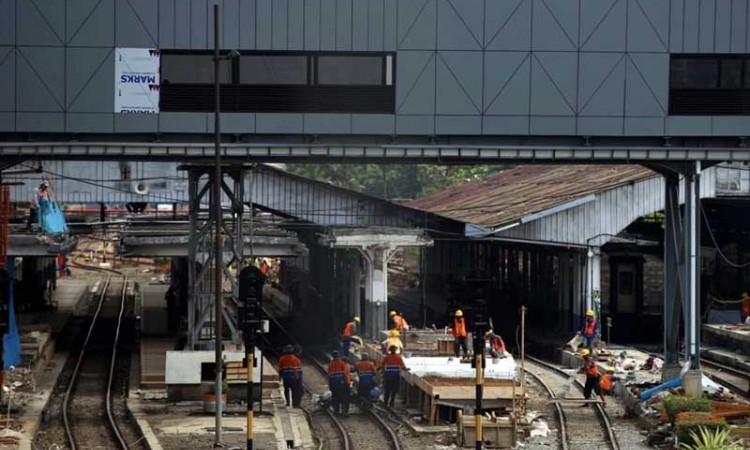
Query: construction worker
point(391, 365)
point(289, 371)
point(592, 376)
point(339, 381)
point(366, 373)
point(745, 307)
point(459, 333)
point(590, 327)
point(399, 323)
point(394, 340)
point(351, 331)
point(497, 345)
point(605, 382)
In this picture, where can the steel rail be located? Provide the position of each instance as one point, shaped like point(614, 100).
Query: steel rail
point(560, 413)
point(108, 399)
point(395, 442)
point(76, 369)
point(601, 412)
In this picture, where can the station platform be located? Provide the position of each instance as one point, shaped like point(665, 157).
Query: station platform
point(42, 363)
point(736, 337)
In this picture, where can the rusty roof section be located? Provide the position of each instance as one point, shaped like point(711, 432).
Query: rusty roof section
point(508, 196)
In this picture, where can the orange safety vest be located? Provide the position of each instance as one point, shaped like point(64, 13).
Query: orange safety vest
point(497, 344)
point(349, 329)
point(366, 371)
point(289, 366)
point(459, 327)
point(589, 328)
point(605, 383)
point(338, 371)
point(399, 323)
point(392, 365)
point(589, 367)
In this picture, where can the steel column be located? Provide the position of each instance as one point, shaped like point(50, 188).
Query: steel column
point(672, 288)
point(692, 264)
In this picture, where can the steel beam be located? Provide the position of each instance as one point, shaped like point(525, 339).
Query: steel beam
point(672, 288)
point(468, 153)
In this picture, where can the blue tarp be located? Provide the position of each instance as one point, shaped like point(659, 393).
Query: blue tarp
point(11, 341)
point(51, 217)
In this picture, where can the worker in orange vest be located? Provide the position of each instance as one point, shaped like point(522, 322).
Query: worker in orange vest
point(399, 323)
point(592, 376)
point(605, 383)
point(290, 373)
point(459, 333)
point(351, 331)
point(497, 345)
point(745, 307)
point(339, 382)
point(391, 365)
point(366, 373)
point(590, 328)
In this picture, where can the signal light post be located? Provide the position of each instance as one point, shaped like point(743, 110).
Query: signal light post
point(251, 292)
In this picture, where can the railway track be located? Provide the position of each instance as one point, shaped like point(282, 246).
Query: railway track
point(355, 432)
point(575, 421)
point(87, 409)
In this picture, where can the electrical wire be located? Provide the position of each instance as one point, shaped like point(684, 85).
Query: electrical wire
point(716, 244)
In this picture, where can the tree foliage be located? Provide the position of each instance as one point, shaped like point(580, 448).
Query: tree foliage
point(394, 182)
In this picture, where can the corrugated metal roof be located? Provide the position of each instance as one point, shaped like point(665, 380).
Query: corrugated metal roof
point(512, 194)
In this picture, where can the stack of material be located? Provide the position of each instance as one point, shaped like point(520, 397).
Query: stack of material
point(498, 369)
point(35, 345)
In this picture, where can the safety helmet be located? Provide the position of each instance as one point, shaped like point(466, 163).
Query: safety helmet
point(610, 369)
point(356, 319)
point(459, 313)
point(585, 352)
point(364, 356)
point(393, 313)
point(288, 349)
point(744, 295)
point(489, 332)
point(590, 312)
point(395, 333)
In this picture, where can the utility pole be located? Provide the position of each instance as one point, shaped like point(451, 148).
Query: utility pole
point(481, 322)
point(218, 262)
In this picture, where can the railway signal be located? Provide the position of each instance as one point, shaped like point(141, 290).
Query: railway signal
point(251, 294)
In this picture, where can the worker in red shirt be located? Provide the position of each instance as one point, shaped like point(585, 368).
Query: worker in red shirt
point(351, 331)
point(366, 373)
point(290, 373)
point(339, 381)
point(459, 333)
point(391, 365)
point(497, 345)
point(592, 376)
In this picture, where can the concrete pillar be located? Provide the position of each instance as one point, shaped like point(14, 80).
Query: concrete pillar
point(672, 291)
point(376, 290)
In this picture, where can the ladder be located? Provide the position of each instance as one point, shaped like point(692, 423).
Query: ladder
point(4, 225)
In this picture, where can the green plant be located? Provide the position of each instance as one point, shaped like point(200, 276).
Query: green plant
point(675, 404)
point(224, 388)
point(710, 439)
point(689, 424)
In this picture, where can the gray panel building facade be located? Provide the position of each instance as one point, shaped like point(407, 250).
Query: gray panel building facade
point(460, 67)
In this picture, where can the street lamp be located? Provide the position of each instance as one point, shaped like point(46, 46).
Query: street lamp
point(218, 247)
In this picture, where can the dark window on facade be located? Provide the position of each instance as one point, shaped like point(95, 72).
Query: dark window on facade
point(709, 85)
point(331, 82)
point(351, 70)
point(273, 69)
point(191, 69)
